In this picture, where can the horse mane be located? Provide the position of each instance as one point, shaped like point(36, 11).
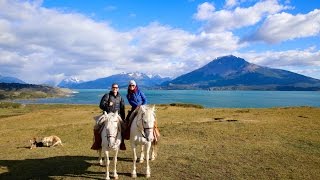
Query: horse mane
point(101, 119)
point(145, 107)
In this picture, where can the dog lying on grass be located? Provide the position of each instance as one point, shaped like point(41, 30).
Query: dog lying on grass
point(34, 143)
point(49, 141)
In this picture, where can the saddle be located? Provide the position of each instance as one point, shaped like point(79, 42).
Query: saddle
point(127, 123)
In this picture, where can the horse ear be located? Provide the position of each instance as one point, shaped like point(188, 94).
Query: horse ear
point(116, 112)
point(153, 107)
point(105, 112)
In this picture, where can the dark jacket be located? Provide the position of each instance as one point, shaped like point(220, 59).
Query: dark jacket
point(136, 98)
point(117, 104)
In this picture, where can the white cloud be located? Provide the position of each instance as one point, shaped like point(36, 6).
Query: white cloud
point(40, 45)
point(239, 17)
point(49, 45)
point(205, 11)
point(158, 46)
point(231, 3)
point(59, 42)
point(284, 26)
point(299, 61)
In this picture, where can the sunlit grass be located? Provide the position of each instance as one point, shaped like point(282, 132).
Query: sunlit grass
point(274, 143)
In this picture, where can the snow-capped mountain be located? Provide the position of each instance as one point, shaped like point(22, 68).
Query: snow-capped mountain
point(69, 82)
point(143, 80)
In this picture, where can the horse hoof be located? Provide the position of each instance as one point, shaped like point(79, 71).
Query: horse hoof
point(134, 175)
point(152, 159)
point(116, 177)
point(141, 161)
point(148, 176)
point(107, 178)
point(101, 162)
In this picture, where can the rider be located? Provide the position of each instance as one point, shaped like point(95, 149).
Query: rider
point(135, 98)
point(110, 102)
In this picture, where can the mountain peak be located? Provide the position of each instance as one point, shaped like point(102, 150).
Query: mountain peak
point(231, 72)
point(137, 75)
point(224, 65)
point(9, 79)
point(72, 79)
point(69, 81)
point(231, 59)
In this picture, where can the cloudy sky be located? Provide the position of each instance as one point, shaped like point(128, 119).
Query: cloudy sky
point(45, 41)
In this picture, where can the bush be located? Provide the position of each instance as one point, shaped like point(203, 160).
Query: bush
point(9, 105)
point(184, 105)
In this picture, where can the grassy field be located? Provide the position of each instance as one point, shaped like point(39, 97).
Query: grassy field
point(274, 143)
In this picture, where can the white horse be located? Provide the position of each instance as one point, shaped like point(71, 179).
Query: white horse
point(141, 133)
point(111, 139)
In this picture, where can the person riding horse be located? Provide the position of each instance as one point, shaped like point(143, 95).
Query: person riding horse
point(135, 98)
point(110, 102)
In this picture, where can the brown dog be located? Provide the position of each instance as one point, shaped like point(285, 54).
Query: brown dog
point(49, 141)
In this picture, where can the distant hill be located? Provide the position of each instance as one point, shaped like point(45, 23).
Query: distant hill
point(29, 91)
point(234, 73)
point(142, 80)
point(69, 82)
point(8, 79)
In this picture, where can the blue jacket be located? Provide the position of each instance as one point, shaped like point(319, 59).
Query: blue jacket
point(136, 99)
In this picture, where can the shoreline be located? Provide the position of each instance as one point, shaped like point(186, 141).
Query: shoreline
point(181, 105)
point(230, 99)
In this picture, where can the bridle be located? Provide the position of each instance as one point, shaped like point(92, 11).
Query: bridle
point(144, 128)
point(108, 135)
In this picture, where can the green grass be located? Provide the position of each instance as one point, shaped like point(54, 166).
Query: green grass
point(274, 143)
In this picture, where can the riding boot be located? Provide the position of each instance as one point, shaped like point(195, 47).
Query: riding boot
point(122, 145)
point(97, 140)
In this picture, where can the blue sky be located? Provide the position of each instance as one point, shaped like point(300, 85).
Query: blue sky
point(50, 40)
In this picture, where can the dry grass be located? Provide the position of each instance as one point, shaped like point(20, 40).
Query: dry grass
point(275, 143)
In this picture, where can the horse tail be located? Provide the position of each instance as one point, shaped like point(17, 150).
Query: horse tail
point(156, 134)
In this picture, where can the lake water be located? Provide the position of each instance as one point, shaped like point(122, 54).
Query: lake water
point(213, 99)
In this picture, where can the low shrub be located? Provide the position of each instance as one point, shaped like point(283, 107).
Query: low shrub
point(9, 105)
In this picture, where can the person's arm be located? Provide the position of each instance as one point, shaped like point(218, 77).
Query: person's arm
point(104, 102)
point(122, 109)
point(143, 98)
point(132, 102)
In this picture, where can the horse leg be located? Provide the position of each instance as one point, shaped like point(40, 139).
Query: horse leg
point(115, 159)
point(100, 160)
point(142, 154)
point(153, 152)
point(134, 171)
point(148, 173)
point(107, 163)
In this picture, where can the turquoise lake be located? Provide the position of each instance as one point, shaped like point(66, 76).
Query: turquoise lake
point(211, 99)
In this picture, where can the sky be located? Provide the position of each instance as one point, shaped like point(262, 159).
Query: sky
point(46, 41)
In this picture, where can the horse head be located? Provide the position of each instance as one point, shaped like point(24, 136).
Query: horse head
point(147, 120)
point(113, 129)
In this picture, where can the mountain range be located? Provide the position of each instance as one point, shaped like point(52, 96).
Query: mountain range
point(234, 73)
point(9, 79)
point(223, 73)
point(122, 79)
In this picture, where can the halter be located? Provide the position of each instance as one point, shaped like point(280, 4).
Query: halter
point(108, 135)
point(144, 128)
